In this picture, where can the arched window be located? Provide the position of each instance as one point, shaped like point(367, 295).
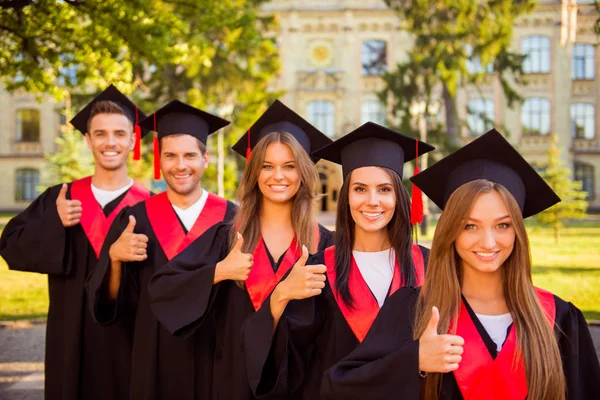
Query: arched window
point(322, 115)
point(372, 110)
point(582, 61)
point(585, 174)
point(374, 57)
point(26, 182)
point(480, 116)
point(535, 116)
point(28, 125)
point(537, 50)
point(582, 121)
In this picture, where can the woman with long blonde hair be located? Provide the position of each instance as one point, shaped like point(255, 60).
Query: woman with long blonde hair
point(478, 328)
point(326, 305)
point(213, 287)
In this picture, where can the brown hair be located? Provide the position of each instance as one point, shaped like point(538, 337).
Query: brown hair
point(398, 229)
point(106, 107)
point(201, 145)
point(250, 197)
point(536, 341)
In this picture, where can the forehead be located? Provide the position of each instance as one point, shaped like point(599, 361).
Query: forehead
point(488, 206)
point(279, 152)
point(370, 176)
point(179, 144)
point(110, 122)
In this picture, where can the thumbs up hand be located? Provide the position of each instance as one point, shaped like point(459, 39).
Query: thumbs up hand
point(236, 266)
point(69, 211)
point(439, 353)
point(304, 281)
point(130, 246)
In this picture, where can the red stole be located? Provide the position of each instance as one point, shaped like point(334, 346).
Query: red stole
point(167, 228)
point(93, 221)
point(480, 376)
point(262, 279)
point(365, 310)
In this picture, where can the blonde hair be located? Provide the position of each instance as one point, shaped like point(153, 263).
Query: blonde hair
point(249, 195)
point(536, 342)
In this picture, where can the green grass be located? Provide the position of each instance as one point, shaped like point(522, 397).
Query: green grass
point(570, 270)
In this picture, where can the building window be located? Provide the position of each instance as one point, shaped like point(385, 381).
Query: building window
point(474, 63)
point(582, 62)
point(374, 57)
point(322, 115)
point(28, 125)
point(480, 116)
point(537, 50)
point(584, 173)
point(27, 181)
point(582, 121)
point(535, 116)
point(372, 110)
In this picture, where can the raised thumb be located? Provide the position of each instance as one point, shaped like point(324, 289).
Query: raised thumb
point(432, 326)
point(303, 258)
point(131, 224)
point(62, 195)
point(239, 242)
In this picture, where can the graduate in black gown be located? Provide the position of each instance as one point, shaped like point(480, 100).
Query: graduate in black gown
point(60, 234)
point(478, 328)
point(373, 257)
point(149, 235)
point(215, 287)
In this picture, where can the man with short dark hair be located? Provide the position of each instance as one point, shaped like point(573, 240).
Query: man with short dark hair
point(145, 237)
point(60, 234)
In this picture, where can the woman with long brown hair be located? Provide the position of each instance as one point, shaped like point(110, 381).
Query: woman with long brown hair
point(480, 329)
point(213, 287)
point(373, 256)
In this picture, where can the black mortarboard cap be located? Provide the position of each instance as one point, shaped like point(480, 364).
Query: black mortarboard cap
point(490, 157)
point(177, 117)
point(373, 145)
point(280, 118)
point(111, 93)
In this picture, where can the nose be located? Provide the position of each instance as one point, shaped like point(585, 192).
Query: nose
point(278, 174)
point(488, 239)
point(181, 163)
point(112, 139)
point(373, 199)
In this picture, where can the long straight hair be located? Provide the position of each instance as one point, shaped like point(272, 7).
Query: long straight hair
point(536, 342)
point(249, 196)
point(398, 230)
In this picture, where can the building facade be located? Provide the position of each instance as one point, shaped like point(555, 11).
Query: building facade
point(333, 53)
point(27, 132)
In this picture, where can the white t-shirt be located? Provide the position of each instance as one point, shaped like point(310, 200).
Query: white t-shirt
point(496, 326)
point(377, 268)
point(103, 197)
point(190, 214)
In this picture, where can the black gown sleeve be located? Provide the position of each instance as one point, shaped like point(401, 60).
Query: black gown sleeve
point(325, 238)
point(580, 361)
point(103, 311)
point(182, 291)
point(35, 240)
point(386, 364)
point(276, 360)
point(425, 252)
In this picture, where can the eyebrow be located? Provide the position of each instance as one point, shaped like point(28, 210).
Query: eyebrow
point(497, 219)
point(104, 130)
point(286, 162)
point(364, 184)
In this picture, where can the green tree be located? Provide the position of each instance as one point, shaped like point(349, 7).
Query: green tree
point(573, 204)
point(447, 35)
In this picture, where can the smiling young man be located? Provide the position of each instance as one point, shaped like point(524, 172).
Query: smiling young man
point(60, 234)
point(147, 236)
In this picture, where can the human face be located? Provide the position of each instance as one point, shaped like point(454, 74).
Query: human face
point(371, 199)
point(110, 138)
point(488, 237)
point(182, 163)
point(279, 178)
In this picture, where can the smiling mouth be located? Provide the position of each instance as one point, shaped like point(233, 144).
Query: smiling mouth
point(486, 255)
point(182, 176)
point(110, 153)
point(278, 188)
point(372, 215)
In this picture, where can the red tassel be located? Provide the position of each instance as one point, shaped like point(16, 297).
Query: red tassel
point(416, 206)
point(248, 148)
point(137, 149)
point(156, 152)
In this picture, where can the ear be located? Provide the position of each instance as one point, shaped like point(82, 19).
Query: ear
point(206, 157)
point(88, 140)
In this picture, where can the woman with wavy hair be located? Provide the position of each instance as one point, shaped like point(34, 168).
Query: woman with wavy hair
point(210, 289)
point(340, 289)
point(478, 328)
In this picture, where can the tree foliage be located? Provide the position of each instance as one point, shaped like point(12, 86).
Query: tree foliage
point(447, 35)
point(573, 204)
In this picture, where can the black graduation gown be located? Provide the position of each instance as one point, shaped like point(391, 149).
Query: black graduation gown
point(187, 303)
point(312, 335)
point(386, 364)
point(160, 364)
point(83, 360)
